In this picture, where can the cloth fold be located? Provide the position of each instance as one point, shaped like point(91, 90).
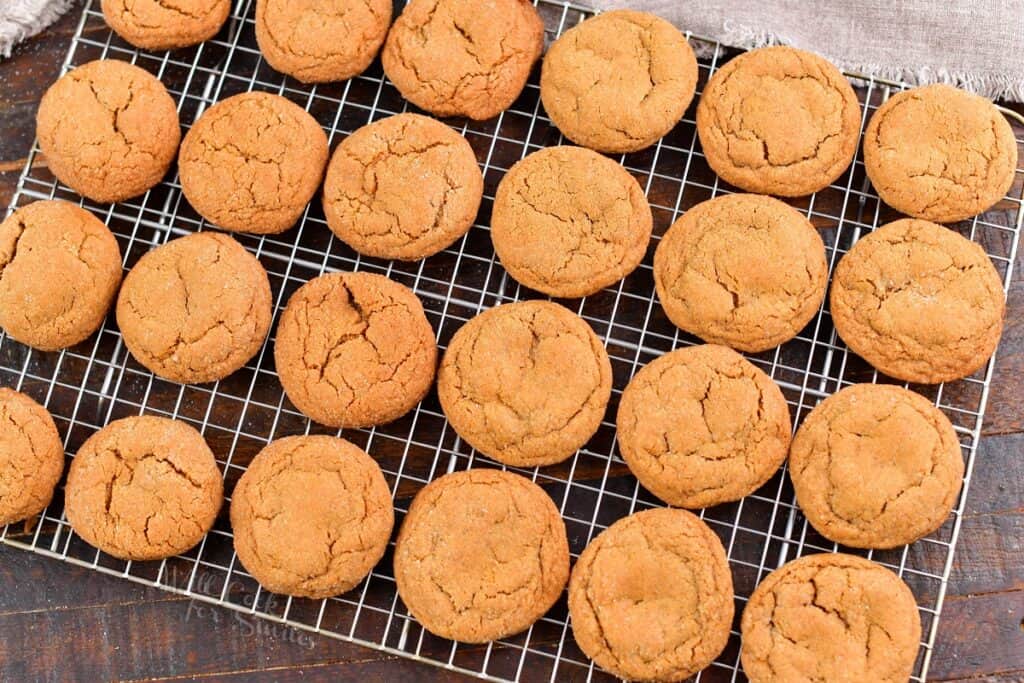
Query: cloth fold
point(21, 19)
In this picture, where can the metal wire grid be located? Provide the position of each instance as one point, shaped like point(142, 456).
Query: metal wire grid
point(97, 381)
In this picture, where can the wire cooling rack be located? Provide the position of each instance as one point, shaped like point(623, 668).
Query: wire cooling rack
point(97, 381)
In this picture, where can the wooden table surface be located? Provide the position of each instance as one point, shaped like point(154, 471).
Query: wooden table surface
point(57, 619)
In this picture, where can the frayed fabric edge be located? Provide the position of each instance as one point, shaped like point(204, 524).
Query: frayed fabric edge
point(17, 24)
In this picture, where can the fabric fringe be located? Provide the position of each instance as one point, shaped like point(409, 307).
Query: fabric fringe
point(21, 19)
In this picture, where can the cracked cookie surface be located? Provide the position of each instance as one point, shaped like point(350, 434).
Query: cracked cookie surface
point(780, 121)
point(165, 24)
point(143, 488)
point(618, 81)
point(702, 425)
point(252, 162)
point(919, 302)
point(60, 268)
point(651, 597)
point(746, 271)
point(355, 350)
point(830, 617)
point(367, 198)
point(481, 555)
point(940, 153)
point(463, 57)
point(31, 457)
point(876, 466)
point(569, 222)
point(525, 383)
point(320, 42)
point(311, 516)
point(109, 130)
point(195, 309)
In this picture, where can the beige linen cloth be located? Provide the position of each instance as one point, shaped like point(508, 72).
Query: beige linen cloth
point(975, 44)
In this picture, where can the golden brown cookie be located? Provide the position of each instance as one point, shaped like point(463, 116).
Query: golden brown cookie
point(109, 130)
point(463, 57)
point(319, 42)
point(311, 516)
point(701, 426)
point(746, 271)
point(195, 309)
point(876, 466)
point(940, 153)
point(143, 488)
point(569, 222)
point(919, 302)
point(165, 24)
point(830, 617)
point(618, 81)
point(526, 383)
point(481, 555)
point(31, 457)
point(779, 121)
point(355, 350)
point(651, 597)
point(368, 200)
point(252, 162)
point(59, 271)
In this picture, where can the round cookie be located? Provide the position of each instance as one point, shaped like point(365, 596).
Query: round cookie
point(779, 121)
point(481, 555)
point(31, 457)
point(367, 197)
point(569, 222)
point(619, 81)
point(876, 466)
point(525, 383)
point(252, 162)
point(109, 130)
point(320, 42)
point(651, 597)
point(311, 516)
point(940, 153)
point(830, 617)
point(165, 24)
point(919, 302)
point(463, 57)
point(746, 271)
point(701, 426)
point(195, 309)
point(143, 488)
point(355, 350)
point(59, 271)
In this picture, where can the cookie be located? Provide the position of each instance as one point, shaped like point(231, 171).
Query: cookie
point(143, 488)
point(311, 516)
point(569, 222)
point(526, 383)
point(701, 426)
point(165, 24)
point(919, 302)
point(463, 57)
point(619, 81)
point(320, 42)
point(195, 309)
point(31, 457)
point(779, 121)
point(109, 130)
point(60, 268)
point(830, 617)
point(940, 153)
point(252, 162)
point(876, 466)
point(481, 555)
point(746, 271)
point(651, 597)
point(355, 350)
point(367, 198)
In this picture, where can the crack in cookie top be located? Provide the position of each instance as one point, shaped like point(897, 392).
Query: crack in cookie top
point(31, 457)
point(165, 24)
